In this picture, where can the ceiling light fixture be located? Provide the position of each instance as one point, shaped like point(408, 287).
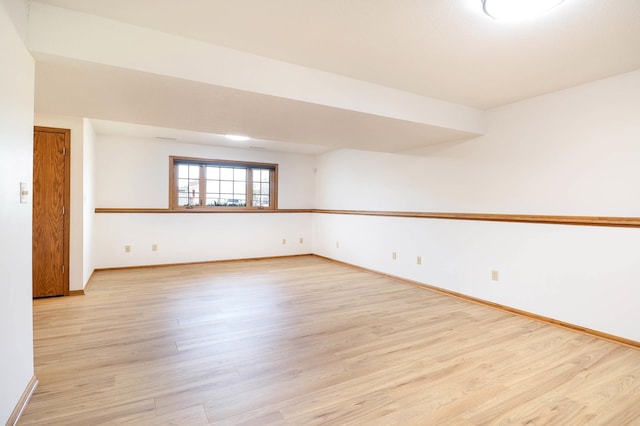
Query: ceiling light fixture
point(516, 10)
point(238, 138)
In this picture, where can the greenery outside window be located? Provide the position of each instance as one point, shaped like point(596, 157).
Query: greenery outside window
point(202, 184)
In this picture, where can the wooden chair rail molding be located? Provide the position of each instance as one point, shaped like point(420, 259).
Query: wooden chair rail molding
point(631, 222)
point(615, 221)
point(185, 211)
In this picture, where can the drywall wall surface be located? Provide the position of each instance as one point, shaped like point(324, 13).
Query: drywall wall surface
point(88, 200)
point(16, 165)
point(134, 172)
point(573, 152)
point(193, 237)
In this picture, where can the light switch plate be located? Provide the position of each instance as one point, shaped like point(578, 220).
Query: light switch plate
point(25, 193)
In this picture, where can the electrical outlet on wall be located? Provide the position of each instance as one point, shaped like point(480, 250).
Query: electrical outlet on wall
point(495, 275)
point(393, 255)
point(127, 248)
point(419, 260)
point(154, 247)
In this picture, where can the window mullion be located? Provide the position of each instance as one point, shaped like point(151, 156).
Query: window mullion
point(249, 187)
point(174, 186)
point(203, 186)
point(272, 188)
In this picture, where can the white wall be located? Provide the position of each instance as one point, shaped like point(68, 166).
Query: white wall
point(76, 233)
point(193, 237)
point(134, 173)
point(88, 200)
point(16, 165)
point(574, 152)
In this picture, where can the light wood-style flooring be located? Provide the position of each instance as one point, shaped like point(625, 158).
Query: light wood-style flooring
point(302, 341)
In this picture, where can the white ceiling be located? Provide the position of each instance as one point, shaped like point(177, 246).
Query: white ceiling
point(442, 49)
point(116, 95)
point(115, 128)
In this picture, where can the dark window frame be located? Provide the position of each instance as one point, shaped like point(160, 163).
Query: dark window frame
point(175, 161)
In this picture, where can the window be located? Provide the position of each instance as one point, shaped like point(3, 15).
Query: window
point(221, 185)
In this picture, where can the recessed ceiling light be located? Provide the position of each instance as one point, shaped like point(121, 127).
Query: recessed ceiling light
point(238, 138)
point(516, 10)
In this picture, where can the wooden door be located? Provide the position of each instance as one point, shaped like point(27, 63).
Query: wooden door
point(51, 211)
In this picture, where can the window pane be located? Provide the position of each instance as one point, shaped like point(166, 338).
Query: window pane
point(183, 201)
point(213, 200)
point(182, 184)
point(261, 175)
point(183, 171)
point(226, 187)
point(261, 201)
point(256, 187)
point(194, 171)
point(213, 172)
point(240, 174)
point(264, 188)
point(239, 188)
point(236, 202)
point(226, 173)
point(193, 199)
point(213, 186)
point(193, 192)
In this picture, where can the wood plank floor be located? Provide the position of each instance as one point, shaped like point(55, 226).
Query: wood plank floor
point(301, 341)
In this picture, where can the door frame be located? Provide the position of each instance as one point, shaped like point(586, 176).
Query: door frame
point(66, 199)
